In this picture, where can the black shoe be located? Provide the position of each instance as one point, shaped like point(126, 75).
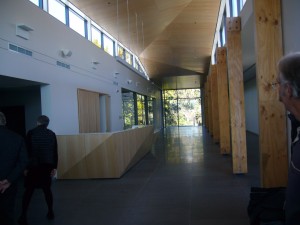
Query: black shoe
point(22, 220)
point(50, 215)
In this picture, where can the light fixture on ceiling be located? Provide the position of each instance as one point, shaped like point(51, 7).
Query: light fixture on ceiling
point(116, 74)
point(23, 31)
point(129, 81)
point(65, 53)
point(95, 63)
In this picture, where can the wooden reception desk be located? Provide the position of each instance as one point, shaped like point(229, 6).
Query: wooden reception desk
point(102, 155)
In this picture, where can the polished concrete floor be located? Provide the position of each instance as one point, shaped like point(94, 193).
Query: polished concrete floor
point(184, 180)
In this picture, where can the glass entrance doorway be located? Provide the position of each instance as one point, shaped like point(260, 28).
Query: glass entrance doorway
point(182, 107)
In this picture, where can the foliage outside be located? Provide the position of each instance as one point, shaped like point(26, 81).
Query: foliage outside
point(182, 107)
point(96, 42)
point(129, 112)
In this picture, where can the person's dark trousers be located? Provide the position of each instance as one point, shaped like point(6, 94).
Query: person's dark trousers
point(38, 177)
point(7, 205)
point(27, 197)
point(273, 223)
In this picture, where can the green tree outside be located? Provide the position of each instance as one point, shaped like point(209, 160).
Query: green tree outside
point(182, 107)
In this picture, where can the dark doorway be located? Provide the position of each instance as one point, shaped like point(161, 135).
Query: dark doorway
point(15, 118)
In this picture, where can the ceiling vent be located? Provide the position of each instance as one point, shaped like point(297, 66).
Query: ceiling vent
point(18, 49)
point(64, 65)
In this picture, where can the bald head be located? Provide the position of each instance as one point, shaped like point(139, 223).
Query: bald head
point(2, 119)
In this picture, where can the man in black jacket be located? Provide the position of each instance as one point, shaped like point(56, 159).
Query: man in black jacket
point(43, 158)
point(13, 160)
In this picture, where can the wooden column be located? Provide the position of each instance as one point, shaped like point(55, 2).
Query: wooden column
point(272, 115)
point(236, 95)
point(223, 101)
point(210, 121)
point(205, 105)
point(215, 104)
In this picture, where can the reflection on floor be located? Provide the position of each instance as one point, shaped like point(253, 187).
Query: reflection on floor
point(183, 181)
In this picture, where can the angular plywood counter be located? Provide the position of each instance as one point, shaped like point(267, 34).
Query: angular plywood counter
point(102, 155)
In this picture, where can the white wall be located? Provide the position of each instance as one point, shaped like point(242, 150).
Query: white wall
point(250, 90)
point(290, 21)
point(251, 106)
point(59, 97)
point(291, 37)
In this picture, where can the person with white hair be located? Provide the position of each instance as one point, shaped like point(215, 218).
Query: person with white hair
point(288, 82)
point(13, 160)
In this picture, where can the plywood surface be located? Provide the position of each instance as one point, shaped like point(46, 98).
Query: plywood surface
point(215, 104)
point(272, 115)
point(223, 101)
point(102, 155)
point(236, 95)
point(171, 37)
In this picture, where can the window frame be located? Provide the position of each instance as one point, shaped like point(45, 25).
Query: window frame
point(66, 8)
point(100, 36)
point(52, 14)
point(111, 50)
point(71, 11)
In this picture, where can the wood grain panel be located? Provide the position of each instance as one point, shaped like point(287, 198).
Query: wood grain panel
point(102, 155)
point(88, 111)
point(210, 122)
point(272, 115)
point(205, 106)
point(171, 37)
point(236, 95)
point(223, 101)
point(212, 104)
point(215, 104)
point(71, 154)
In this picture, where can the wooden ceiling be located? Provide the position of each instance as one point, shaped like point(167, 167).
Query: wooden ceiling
point(171, 37)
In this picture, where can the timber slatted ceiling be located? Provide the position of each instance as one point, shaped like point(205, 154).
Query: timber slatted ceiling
point(236, 95)
point(272, 115)
point(172, 37)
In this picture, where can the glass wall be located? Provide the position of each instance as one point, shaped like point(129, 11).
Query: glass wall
point(96, 36)
point(57, 9)
point(137, 109)
point(128, 109)
point(141, 112)
point(77, 23)
point(108, 45)
point(36, 2)
point(182, 107)
point(150, 111)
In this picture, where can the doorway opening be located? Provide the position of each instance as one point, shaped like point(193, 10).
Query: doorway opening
point(182, 107)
